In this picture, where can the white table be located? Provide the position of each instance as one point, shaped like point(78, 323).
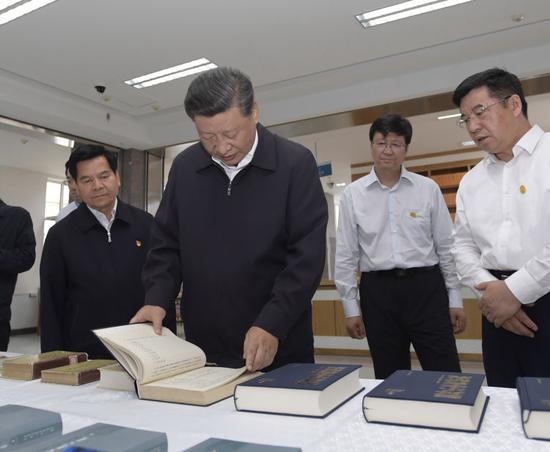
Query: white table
point(344, 430)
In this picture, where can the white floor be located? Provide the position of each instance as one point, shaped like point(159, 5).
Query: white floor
point(30, 343)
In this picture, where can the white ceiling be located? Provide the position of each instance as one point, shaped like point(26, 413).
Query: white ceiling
point(306, 58)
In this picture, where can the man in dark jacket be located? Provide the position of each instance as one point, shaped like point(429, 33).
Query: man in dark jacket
point(17, 254)
point(92, 260)
point(242, 224)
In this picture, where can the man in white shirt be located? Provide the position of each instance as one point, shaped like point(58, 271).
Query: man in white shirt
point(395, 228)
point(73, 193)
point(502, 239)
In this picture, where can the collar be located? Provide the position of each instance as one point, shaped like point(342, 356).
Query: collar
point(101, 217)
point(86, 219)
point(264, 155)
point(372, 177)
point(527, 143)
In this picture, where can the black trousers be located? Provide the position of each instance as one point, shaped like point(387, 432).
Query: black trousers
point(507, 356)
point(5, 316)
point(403, 308)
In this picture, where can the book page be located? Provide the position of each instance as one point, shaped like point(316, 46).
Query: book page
point(202, 379)
point(147, 356)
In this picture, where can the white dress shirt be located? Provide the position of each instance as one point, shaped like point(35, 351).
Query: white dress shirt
point(67, 210)
point(503, 219)
point(380, 228)
point(232, 171)
point(103, 220)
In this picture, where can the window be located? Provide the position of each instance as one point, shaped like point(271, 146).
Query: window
point(57, 197)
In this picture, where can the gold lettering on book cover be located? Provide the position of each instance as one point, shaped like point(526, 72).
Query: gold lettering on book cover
point(320, 376)
point(452, 386)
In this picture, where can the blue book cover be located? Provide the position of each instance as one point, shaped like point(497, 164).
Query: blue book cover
point(428, 399)
point(430, 386)
point(300, 389)
point(534, 399)
point(310, 376)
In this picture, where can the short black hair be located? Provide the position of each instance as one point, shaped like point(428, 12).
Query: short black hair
point(84, 152)
point(392, 123)
point(217, 90)
point(499, 82)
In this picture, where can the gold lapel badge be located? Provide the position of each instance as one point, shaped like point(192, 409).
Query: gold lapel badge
point(138, 243)
point(522, 189)
point(413, 214)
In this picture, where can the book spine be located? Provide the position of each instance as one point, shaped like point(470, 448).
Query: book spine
point(524, 403)
point(88, 376)
point(38, 367)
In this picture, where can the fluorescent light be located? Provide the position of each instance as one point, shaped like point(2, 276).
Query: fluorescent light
point(171, 73)
point(63, 142)
point(454, 115)
point(7, 15)
point(468, 143)
point(341, 184)
point(404, 10)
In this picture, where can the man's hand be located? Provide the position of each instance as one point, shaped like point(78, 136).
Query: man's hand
point(497, 302)
point(355, 327)
point(521, 324)
point(150, 313)
point(259, 348)
point(458, 319)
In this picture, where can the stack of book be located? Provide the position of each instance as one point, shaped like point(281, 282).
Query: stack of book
point(62, 367)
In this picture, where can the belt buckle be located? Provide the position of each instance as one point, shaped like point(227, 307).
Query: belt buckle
point(400, 272)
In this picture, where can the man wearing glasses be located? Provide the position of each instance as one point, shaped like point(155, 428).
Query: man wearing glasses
point(502, 239)
point(395, 228)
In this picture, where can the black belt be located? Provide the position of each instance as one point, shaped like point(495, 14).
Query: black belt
point(501, 274)
point(404, 272)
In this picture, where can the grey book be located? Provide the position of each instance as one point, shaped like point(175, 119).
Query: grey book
point(23, 425)
point(105, 438)
point(228, 445)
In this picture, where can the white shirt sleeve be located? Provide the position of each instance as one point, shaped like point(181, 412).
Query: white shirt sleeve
point(466, 253)
point(347, 257)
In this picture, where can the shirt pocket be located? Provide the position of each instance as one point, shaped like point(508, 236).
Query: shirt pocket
point(416, 225)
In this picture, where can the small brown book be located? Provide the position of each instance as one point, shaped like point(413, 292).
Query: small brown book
point(29, 367)
point(76, 374)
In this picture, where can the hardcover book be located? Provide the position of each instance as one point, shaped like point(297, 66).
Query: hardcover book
point(75, 374)
point(418, 398)
point(167, 368)
point(301, 389)
point(228, 445)
point(534, 399)
point(105, 438)
point(29, 367)
point(115, 377)
point(22, 425)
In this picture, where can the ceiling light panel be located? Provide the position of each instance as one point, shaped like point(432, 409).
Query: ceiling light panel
point(171, 73)
point(404, 10)
point(11, 10)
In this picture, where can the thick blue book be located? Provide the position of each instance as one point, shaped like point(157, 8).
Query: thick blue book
point(228, 445)
point(301, 389)
point(23, 425)
point(534, 399)
point(105, 438)
point(418, 398)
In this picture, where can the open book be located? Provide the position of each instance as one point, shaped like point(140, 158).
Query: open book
point(168, 368)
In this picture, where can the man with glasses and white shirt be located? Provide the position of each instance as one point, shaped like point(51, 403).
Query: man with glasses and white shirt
point(502, 238)
point(395, 228)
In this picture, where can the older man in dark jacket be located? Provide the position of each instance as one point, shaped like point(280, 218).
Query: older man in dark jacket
point(17, 254)
point(242, 224)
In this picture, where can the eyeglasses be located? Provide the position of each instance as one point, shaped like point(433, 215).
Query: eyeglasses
point(395, 147)
point(479, 110)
